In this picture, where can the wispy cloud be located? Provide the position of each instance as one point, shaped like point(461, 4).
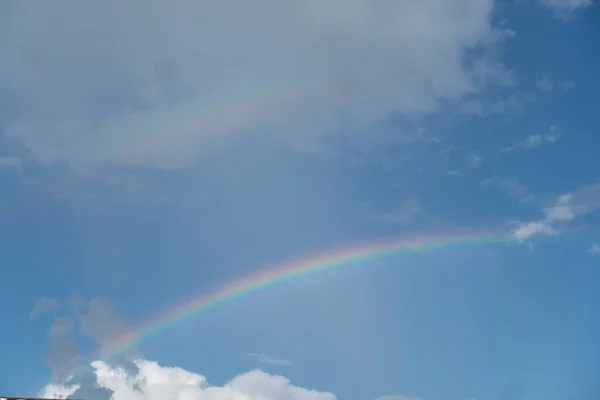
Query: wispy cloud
point(44, 306)
point(545, 84)
point(263, 358)
point(537, 140)
point(565, 8)
point(10, 162)
point(568, 85)
point(561, 210)
point(513, 187)
point(405, 213)
point(594, 249)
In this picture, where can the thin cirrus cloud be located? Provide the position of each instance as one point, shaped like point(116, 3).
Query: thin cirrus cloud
point(263, 358)
point(564, 8)
point(137, 95)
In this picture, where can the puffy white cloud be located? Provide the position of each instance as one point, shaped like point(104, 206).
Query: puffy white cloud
point(151, 381)
point(160, 83)
point(528, 229)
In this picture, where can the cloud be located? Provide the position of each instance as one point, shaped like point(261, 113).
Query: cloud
point(526, 230)
point(44, 306)
point(102, 323)
point(513, 187)
point(10, 162)
point(565, 8)
point(153, 381)
point(62, 326)
point(475, 162)
point(62, 356)
point(104, 85)
point(594, 249)
point(561, 210)
point(97, 320)
point(533, 141)
point(263, 358)
point(568, 85)
point(545, 84)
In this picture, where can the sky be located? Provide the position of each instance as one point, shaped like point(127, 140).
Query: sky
point(155, 153)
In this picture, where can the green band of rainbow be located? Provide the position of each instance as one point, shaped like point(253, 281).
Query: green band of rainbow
point(361, 254)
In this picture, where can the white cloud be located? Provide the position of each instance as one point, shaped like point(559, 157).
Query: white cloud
point(564, 8)
point(152, 381)
point(161, 83)
point(526, 230)
point(545, 84)
point(562, 209)
point(263, 358)
point(594, 249)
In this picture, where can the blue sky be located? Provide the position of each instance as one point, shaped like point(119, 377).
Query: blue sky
point(154, 151)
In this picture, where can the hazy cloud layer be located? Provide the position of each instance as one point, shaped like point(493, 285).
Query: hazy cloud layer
point(148, 84)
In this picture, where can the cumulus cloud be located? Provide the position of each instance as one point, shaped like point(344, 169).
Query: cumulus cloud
point(561, 210)
point(152, 381)
point(44, 306)
point(158, 83)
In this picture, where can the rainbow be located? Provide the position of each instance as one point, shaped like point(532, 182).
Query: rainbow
point(354, 255)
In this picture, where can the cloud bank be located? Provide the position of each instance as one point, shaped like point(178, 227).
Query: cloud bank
point(152, 381)
point(159, 84)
